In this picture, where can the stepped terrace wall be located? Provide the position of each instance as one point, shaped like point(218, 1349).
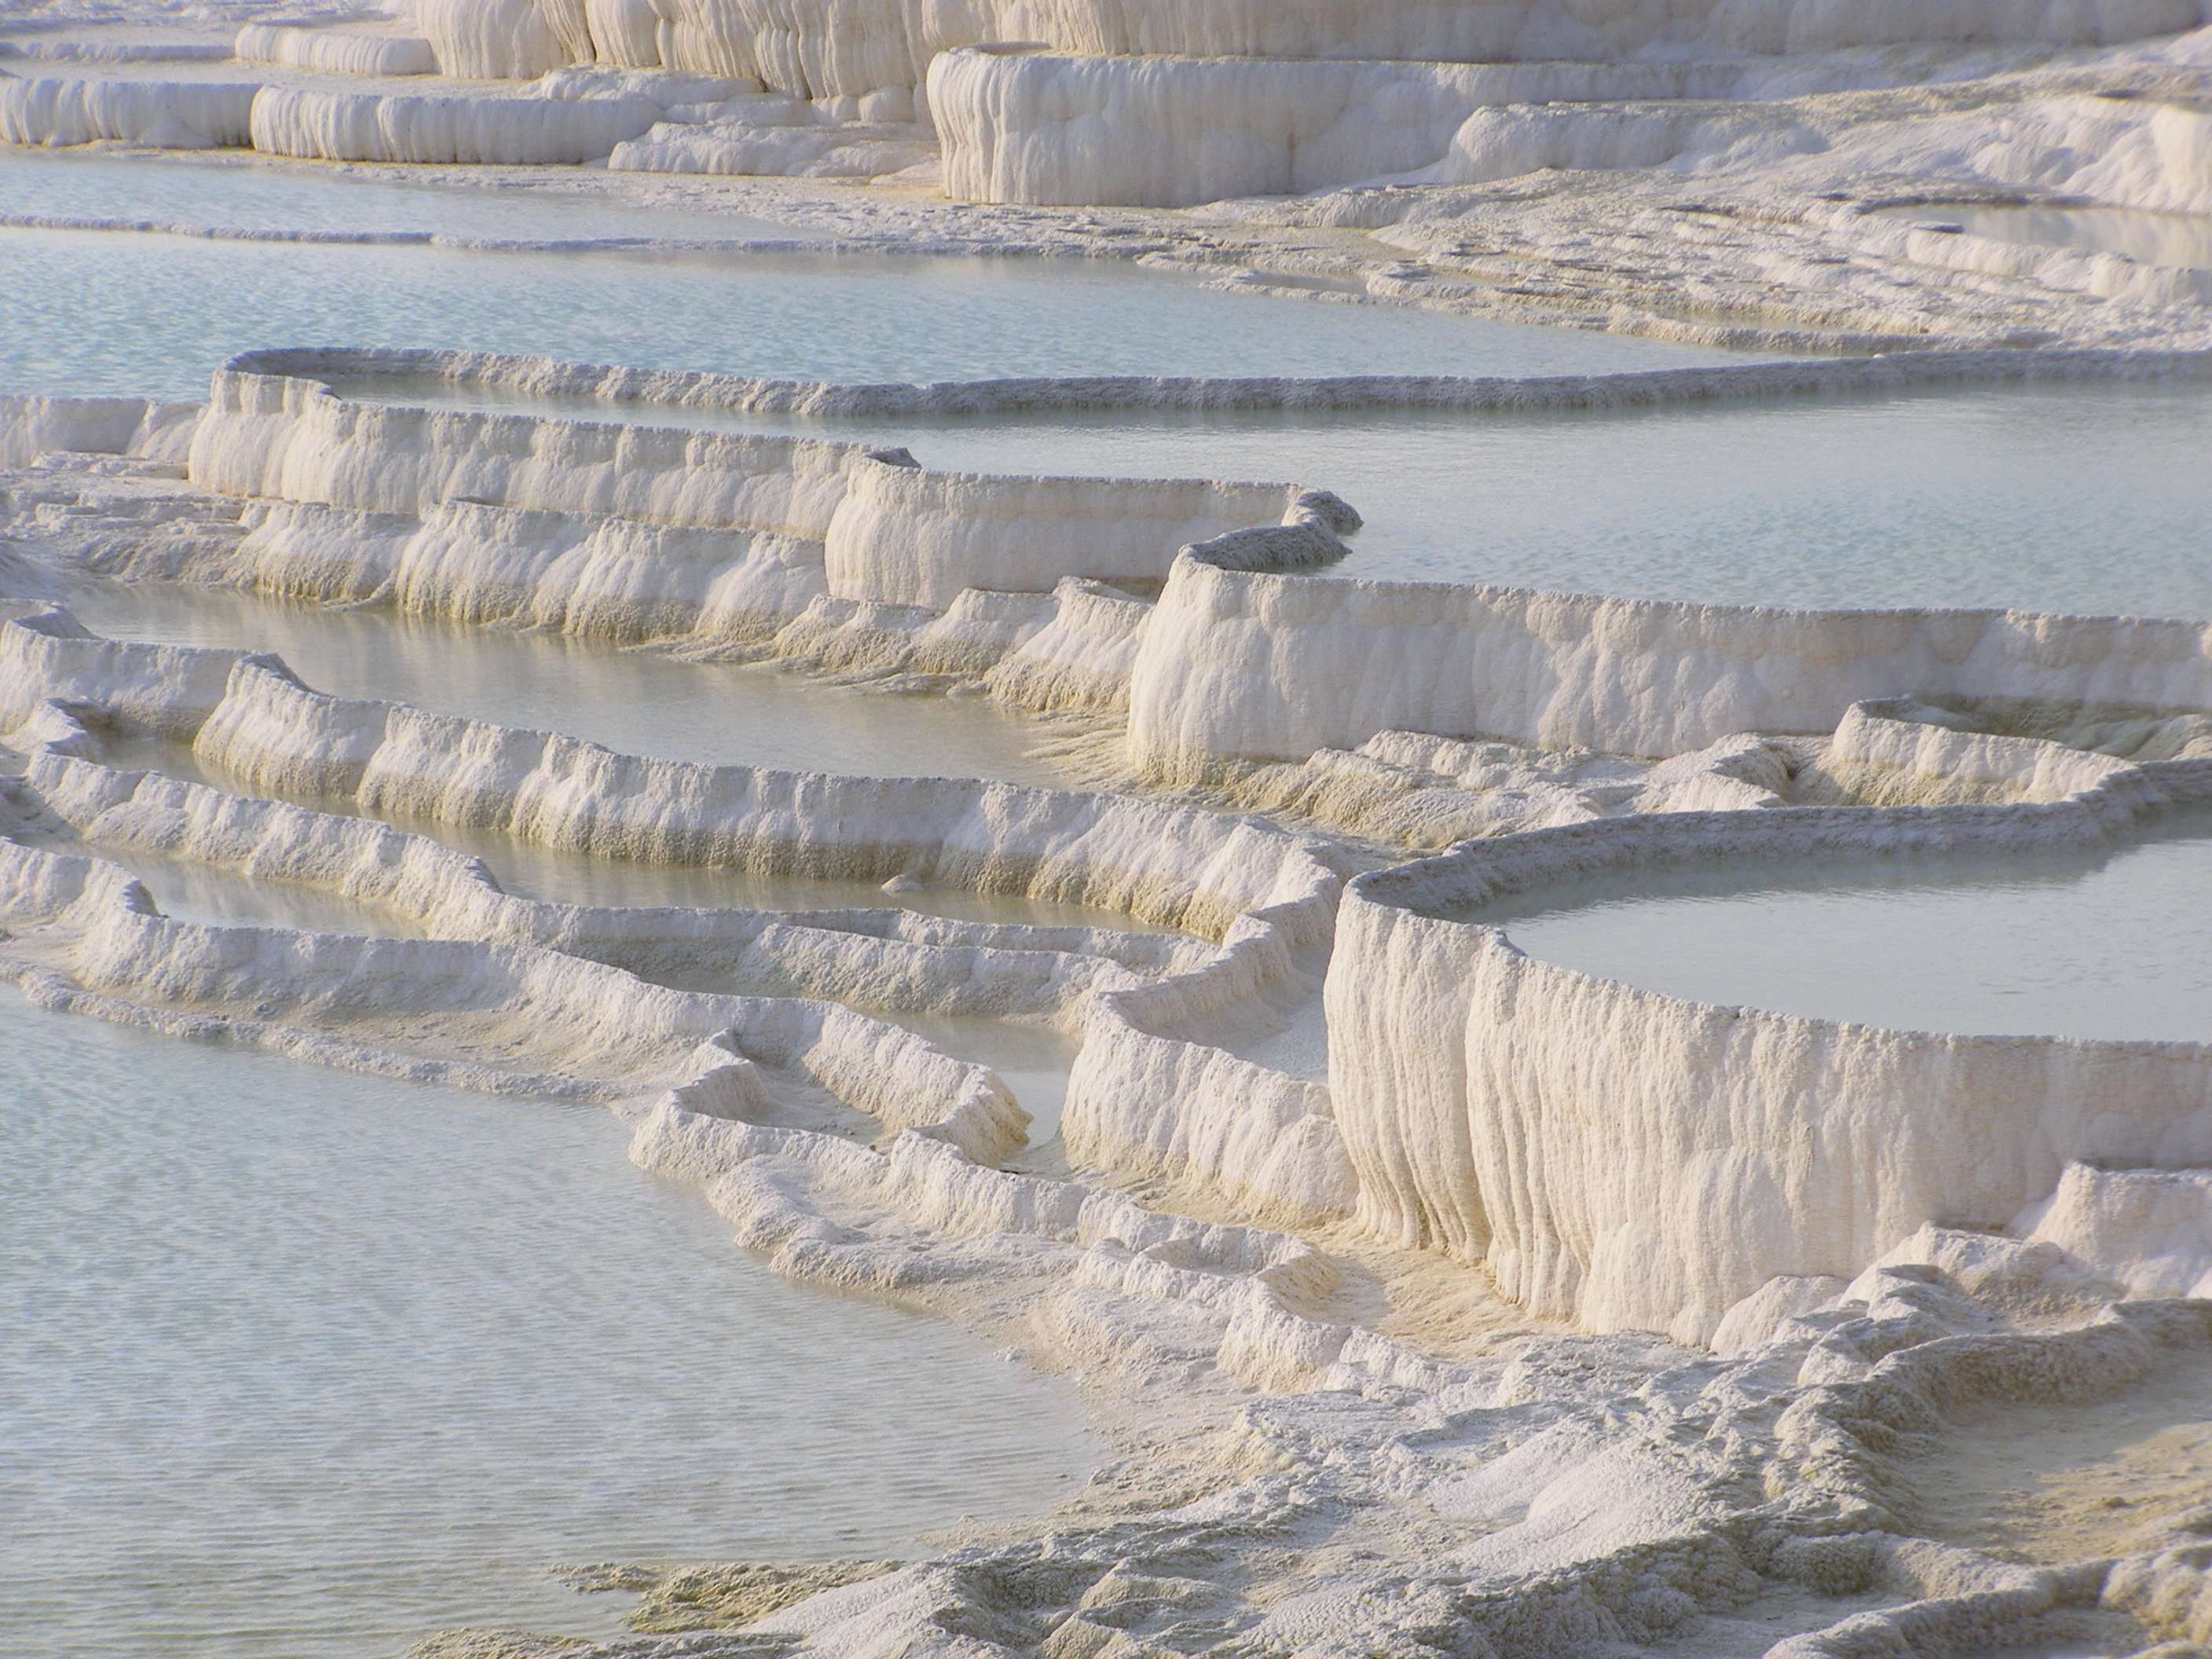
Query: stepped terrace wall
point(1629, 1159)
point(1239, 666)
point(1032, 126)
point(888, 530)
point(1264, 898)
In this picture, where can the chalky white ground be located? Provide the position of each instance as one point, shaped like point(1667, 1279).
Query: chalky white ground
point(1434, 1297)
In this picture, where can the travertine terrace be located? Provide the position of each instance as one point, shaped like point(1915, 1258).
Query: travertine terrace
point(1435, 1299)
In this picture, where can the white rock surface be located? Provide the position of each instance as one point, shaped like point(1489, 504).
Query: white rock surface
point(1918, 743)
point(2150, 1230)
point(335, 51)
point(893, 533)
point(134, 427)
point(1248, 667)
point(366, 126)
point(1079, 659)
point(500, 39)
point(848, 150)
point(1031, 126)
point(1630, 1160)
point(903, 535)
point(167, 114)
point(1264, 894)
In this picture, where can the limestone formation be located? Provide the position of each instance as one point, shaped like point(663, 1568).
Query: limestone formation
point(1433, 1297)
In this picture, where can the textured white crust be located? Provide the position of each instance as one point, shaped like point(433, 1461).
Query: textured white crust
point(1266, 897)
point(167, 114)
point(1252, 666)
point(573, 513)
point(366, 126)
point(852, 47)
point(335, 51)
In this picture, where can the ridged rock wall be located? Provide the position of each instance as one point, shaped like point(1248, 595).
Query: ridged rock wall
point(289, 438)
point(1031, 126)
point(819, 48)
point(143, 429)
point(334, 50)
point(1266, 897)
point(597, 576)
point(609, 1032)
point(1913, 742)
point(166, 114)
point(888, 531)
point(160, 690)
point(1255, 666)
point(2149, 1230)
point(904, 535)
point(1632, 1160)
point(320, 126)
point(1163, 864)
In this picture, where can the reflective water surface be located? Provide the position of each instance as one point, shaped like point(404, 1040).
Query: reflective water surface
point(149, 314)
point(236, 191)
point(2149, 239)
point(2051, 497)
point(638, 703)
point(301, 1364)
point(192, 891)
point(2083, 945)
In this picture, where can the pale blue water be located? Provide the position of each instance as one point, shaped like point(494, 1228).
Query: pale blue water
point(2108, 944)
point(302, 1364)
point(639, 702)
point(242, 192)
point(2056, 497)
point(151, 314)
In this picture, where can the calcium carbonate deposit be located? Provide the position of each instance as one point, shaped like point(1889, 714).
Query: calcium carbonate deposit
point(1383, 829)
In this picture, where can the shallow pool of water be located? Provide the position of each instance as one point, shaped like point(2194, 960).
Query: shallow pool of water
point(303, 1364)
point(638, 703)
point(132, 312)
point(2109, 945)
point(1032, 1060)
point(2149, 239)
point(569, 877)
point(239, 191)
point(2078, 498)
point(191, 891)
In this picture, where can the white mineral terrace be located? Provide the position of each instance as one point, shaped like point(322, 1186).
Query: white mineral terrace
point(1981, 497)
point(1384, 829)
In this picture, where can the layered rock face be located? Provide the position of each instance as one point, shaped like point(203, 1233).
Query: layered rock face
point(1233, 666)
point(1438, 1298)
point(1633, 1161)
point(634, 531)
point(1032, 126)
point(857, 45)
